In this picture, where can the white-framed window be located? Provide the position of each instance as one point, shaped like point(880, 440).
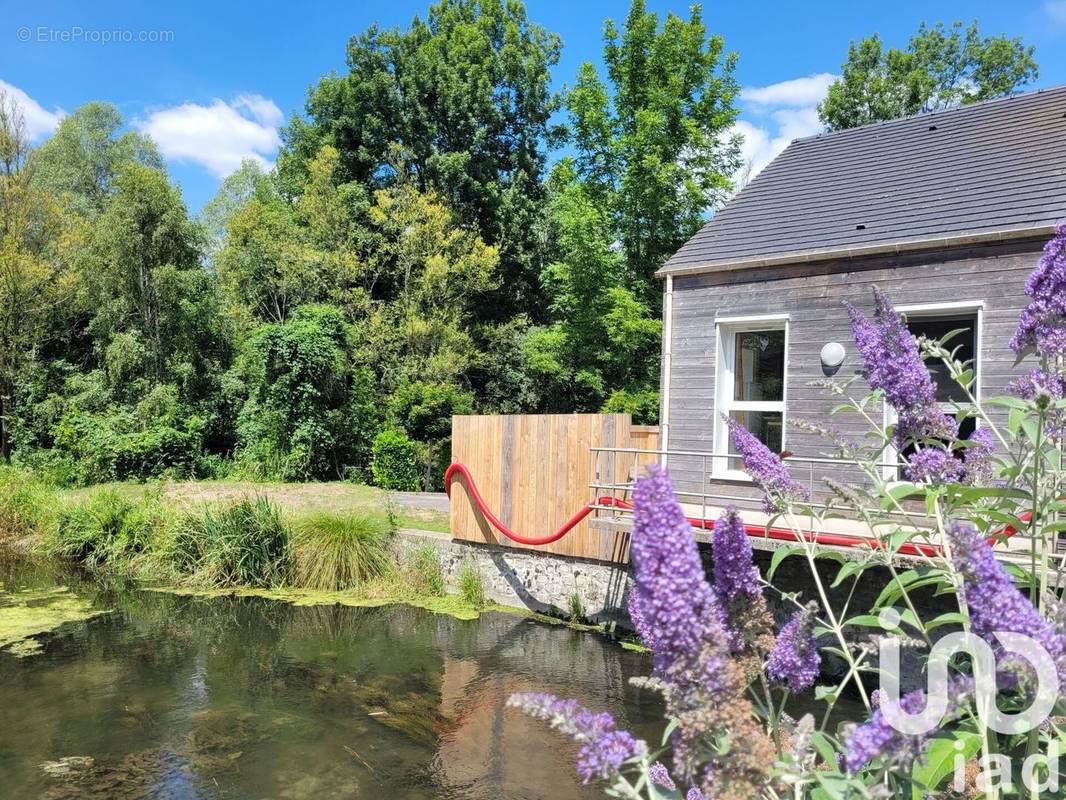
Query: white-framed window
point(935, 321)
point(750, 384)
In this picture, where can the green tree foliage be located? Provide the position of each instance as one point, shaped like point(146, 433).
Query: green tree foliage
point(465, 94)
point(654, 152)
point(34, 265)
point(652, 155)
point(307, 405)
point(410, 258)
point(82, 159)
point(604, 338)
point(424, 411)
point(941, 67)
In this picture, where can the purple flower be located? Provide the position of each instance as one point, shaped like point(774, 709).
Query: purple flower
point(768, 470)
point(737, 586)
point(677, 614)
point(795, 660)
point(993, 601)
point(933, 464)
point(671, 603)
point(695, 794)
point(978, 465)
point(735, 575)
point(604, 748)
point(1043, 321)
point(658, 775)
point(876, 737)
point(893, 365)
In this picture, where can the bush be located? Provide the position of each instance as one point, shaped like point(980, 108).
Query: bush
point(340, 552)
point(424, 573)
point(246, 543)
point(398, 462)
point(471, 587)
point(107, 529)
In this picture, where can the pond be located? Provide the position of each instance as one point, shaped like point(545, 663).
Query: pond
point(183, 697)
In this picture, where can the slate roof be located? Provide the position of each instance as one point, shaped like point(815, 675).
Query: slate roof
point(965, 174)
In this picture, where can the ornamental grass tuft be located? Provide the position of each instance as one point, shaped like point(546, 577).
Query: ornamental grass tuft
point(336, 552)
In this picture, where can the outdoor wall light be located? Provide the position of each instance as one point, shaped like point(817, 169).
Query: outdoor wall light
point(832, 355)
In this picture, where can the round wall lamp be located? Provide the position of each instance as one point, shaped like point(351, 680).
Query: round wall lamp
point(832, 355)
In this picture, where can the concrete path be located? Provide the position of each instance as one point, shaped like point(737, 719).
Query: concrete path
point(422, 501)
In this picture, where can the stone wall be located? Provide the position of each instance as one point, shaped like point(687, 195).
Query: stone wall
point(531, 579)
point(545, 582)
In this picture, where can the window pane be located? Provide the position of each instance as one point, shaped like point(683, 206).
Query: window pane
point(759, 366)
point(766, 425)
point(966, 342)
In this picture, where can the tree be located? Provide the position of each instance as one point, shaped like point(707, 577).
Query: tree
point(941, 67)
point(141, 242)
point(82, 159)
point(431, 277)
point(604, 338)
point(249, 182)
point(465, 95)
point(655, 152)
point(34, 266)
point(307, 405)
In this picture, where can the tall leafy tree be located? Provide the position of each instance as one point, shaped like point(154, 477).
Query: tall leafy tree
point(941, 67)
point(465, 94)
point(35, 275)
point(82, 159)
point(654, 149)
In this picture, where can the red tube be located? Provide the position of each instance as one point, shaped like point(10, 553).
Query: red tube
point(755, 531)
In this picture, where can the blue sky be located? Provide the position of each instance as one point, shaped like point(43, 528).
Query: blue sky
point(213, 81)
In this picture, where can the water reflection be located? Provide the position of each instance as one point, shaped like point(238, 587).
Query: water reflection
point(173, 697)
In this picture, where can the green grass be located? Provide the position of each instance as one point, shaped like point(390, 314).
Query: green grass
point(334, 552)
point(423, 571)
point(471, 587)
point(296, 500)
point(246, 543)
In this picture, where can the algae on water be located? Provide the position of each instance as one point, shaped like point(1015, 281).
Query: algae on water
point(28, 613)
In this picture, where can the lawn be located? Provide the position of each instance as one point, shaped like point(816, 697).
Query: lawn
point(424, 512)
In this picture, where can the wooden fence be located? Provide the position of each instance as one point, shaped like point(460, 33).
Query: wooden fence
point(534, 471)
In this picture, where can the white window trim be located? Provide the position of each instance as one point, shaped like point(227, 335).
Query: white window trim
point(888, 471)
point(726, 329)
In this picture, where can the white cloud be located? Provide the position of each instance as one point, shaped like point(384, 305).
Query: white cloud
point(797, 92)
point(774, 115)
point(219, 136)
point(39, 121)
point(1056, 10)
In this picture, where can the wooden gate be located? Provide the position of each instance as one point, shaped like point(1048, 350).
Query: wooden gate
point(534, 471)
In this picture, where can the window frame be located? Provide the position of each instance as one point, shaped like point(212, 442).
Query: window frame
point(892, 467)
point(726, 330)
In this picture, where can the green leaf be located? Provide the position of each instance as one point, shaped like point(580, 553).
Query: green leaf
point(847, 569)
point(939, 760)
point(780, 555)
point(899, 492)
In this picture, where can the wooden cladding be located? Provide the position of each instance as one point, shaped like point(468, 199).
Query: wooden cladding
point(534, 471)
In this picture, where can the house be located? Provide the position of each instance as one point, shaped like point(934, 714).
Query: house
point(946, 212)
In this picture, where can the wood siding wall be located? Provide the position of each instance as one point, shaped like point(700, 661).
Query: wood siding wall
point(534, 471)
point(814, 299)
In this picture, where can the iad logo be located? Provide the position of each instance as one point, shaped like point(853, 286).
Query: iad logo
point(1039, 772)
point(983, 660)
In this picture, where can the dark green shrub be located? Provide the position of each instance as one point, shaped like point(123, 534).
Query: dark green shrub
point(307, 404)
point(398, 462)
point(246, 543)
point(340, 552)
